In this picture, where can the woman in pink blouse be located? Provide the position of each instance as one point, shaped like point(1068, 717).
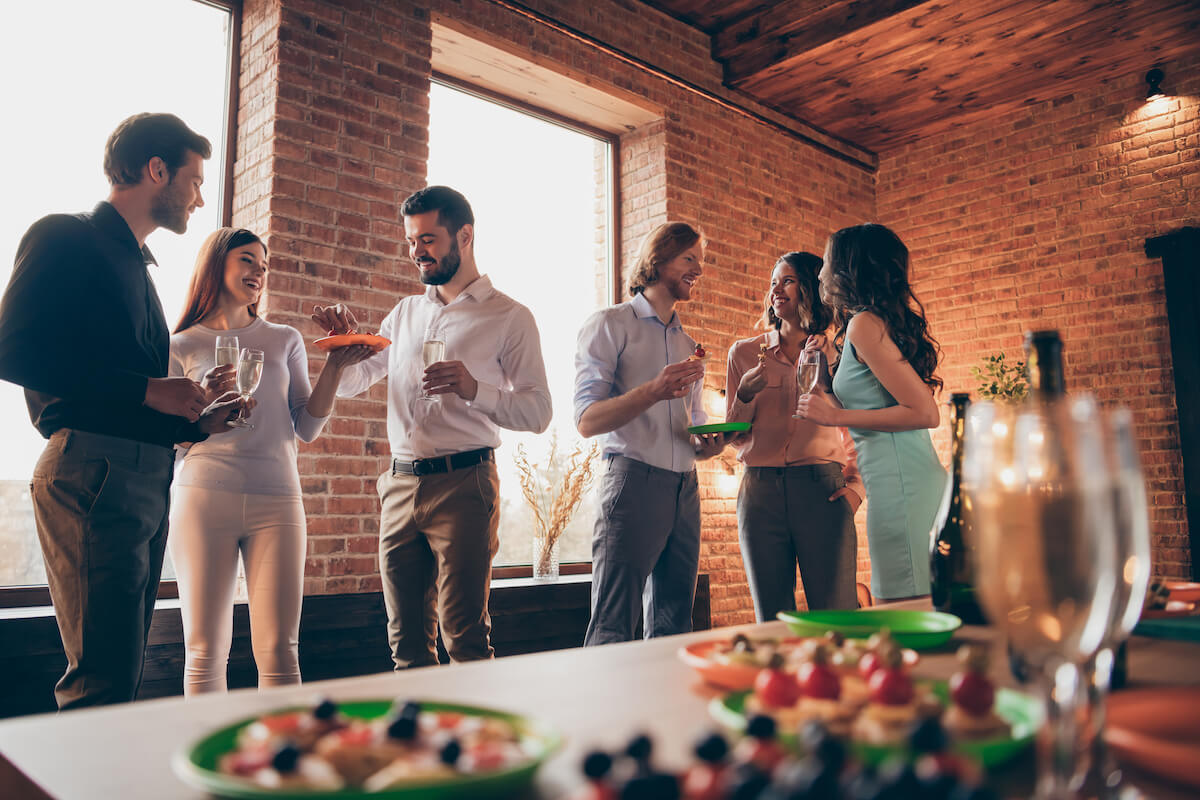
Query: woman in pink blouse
point(801, 486)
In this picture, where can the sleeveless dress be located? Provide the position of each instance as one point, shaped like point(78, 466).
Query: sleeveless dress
point(904, 482)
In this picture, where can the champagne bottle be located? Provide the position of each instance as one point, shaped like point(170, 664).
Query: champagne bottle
point(953, 580)
point(1044, 365)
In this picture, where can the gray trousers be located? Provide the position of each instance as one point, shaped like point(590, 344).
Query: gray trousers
point(784, 519)
point(100, 503)
point(645, 552)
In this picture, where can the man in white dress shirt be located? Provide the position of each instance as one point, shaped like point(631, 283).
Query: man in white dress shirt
point(440, 496)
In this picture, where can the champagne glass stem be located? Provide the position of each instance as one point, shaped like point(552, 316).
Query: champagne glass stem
point(1056, 766)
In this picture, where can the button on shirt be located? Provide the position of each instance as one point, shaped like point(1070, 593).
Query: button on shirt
point(619, 349)
point(497, 340)
point(82, 329)
point(776, 438)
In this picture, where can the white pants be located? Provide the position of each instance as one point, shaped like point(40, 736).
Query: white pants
point(208, 529)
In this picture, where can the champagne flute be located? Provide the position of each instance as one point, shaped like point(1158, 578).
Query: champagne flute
point(1046, 552)
point(808, 373)
point(249, 373)
point(227, 351)
point(433, 350)
point(1101, 777)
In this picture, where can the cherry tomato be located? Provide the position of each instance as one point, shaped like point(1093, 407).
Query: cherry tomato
point(818, 680)
point(868, 662)
point(890, 686)
point(282, 723)
point(972, 692)
point(776, 688)
point(703, 782)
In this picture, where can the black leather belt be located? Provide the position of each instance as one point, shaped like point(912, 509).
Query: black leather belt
point(433, 466)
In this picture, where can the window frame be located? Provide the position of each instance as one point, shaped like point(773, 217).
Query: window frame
point(614, 145)
point(39, 594)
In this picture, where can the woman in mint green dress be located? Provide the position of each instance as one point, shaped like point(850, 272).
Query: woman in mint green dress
point(883, 386)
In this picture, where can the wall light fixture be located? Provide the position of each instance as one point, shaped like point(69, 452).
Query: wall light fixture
point(1153, 78)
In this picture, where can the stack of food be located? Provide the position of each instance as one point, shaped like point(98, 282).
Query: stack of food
point(322, 749)
point(760, 767)
point(873, 699)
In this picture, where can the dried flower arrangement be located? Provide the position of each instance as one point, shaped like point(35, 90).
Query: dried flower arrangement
point(554, 491)
point(1001, 381)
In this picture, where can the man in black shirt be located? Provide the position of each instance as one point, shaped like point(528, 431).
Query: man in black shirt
point(82, 330)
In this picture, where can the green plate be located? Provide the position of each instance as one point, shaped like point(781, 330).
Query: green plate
point(719, 427)
point(916, 629)
point(196, 764)
point(1022, 712)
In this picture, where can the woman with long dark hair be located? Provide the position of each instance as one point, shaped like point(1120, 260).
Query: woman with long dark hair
point(800, 488)
point(240, 493)
point(883, 386)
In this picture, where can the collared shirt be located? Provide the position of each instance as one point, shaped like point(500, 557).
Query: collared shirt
point(622, 347)
point(81, 328)
point(777, 439)
point(497, 340)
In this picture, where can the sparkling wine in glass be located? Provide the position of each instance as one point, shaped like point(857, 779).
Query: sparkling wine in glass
point(1045, 552)
point(433, 350)
point(808, 373)
point(249, 373)
point(227, 351)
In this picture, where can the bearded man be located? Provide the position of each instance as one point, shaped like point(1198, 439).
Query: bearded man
point(440, 495)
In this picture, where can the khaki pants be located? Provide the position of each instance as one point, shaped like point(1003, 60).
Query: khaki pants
point(437, 538)
point(101, 508)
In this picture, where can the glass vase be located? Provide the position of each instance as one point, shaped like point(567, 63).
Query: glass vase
point(545, 559)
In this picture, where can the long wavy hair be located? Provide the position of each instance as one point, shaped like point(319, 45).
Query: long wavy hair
point(208, 277)
point(869, 272)
point(660, 246)
point(815, 316)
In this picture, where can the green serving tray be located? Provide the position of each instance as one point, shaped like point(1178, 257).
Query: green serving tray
point(719, 427)
point(1024, 713)
point(916, 629)
point(196, 764)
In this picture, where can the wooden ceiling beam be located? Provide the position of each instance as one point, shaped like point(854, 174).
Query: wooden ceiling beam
point(762, 43)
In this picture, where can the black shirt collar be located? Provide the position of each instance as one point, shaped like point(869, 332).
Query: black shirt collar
point(110, 222)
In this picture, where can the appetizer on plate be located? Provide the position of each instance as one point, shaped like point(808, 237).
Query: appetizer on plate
point(319, 749)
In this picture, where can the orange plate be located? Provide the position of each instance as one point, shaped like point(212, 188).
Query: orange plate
point(1157, 730)
point(1175, 608)
point(1183, 590)
point(739, 677)
point(376, 343)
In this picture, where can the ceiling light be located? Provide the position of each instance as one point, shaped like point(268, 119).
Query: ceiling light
point(1153, 78)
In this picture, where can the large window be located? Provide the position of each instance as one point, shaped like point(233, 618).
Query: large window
point(74, 69)
point(542, 195)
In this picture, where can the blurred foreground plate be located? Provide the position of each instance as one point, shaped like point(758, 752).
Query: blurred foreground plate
point(1157, 730)
point(915, 629)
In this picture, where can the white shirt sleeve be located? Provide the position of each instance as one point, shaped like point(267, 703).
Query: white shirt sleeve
point(307, 426)
point(596, 355)
point(357, 378)
point(526, 406)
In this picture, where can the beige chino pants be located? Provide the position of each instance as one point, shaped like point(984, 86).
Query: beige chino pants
point(437, 538)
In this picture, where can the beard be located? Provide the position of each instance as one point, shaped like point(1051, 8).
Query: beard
point(170, 208)
point(446, 267)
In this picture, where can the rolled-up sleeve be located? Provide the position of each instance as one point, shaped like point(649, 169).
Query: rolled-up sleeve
point(357, 378)
point(526, 406)
point(596, 354)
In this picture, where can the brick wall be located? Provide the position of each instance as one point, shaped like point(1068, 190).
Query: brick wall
point(332, 135)
point(1037, 219)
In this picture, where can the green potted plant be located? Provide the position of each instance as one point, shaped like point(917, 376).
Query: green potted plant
point(1001, 380)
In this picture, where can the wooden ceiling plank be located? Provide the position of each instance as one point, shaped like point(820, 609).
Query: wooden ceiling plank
point(752, 45)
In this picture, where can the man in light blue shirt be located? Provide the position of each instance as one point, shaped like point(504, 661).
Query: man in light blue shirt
point(637, 384)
